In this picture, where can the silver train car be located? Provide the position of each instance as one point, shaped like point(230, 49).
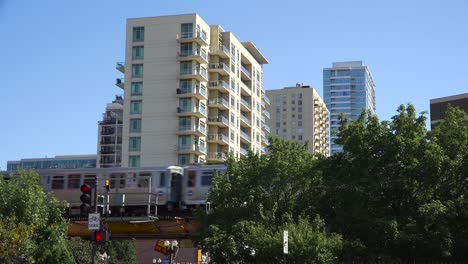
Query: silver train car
point(130, 190)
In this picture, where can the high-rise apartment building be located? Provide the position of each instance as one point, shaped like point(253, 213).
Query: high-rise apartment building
point(299, 114)
point(109, 146)
point(348, 88)
point(192, 93)
point(439, 106)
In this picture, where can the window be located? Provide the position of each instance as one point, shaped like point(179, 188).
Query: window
point(299, 109)
point(278, 124)
point(134, 144)
point(135, 125)
point(137, 70)
point(184, 142)
point(185, 49)
point(191, 179)
point(137, 88)
point(184, 123)
point(134, 161)
point(299, 137)
point(162, 179)
point(186, 30)
point(135, 106)
point(207, 177)
point(185, 68)
point(299, 123)
point(184, 159)
point(138, 34)
point(73, 181)
point(299, 102)
point(57, 183)
point(299, 116)
point(137, 53)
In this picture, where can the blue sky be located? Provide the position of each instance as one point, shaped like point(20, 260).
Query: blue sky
point(58, 57)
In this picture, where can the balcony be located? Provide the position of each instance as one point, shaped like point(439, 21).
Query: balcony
point(188, 37)
point(220, 68)
point(245, 90)
point(192, 130)
point(198, 55)
point(120, 82)
point(245, 121)
point(198, 74)
point(245, 105)
point(266, 113)
point(245, 136)
point(199, 111)
point(245, 73)
point(199, 92)
point(266, 127)
point(219, 85)
point(266, 99)
point(220, 121)
point(194, 149)
point(220, 103)
point(216, 156)
point(218, 138)
point(243, 151)
point(120, 66)
point(221, 51)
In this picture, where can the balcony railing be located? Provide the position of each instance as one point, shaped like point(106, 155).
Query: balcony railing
point(201, 72)
point(245, 119)
point(219, 65)
point(266, 99)
point(245, 103)
point(217, 155)
point(218, 101)
point(193, 90)
point(243, 151)
point(197, 52)
point(245, 136)
point(219, 83)
point(195, 147)
point(218, 119)
point(120, 66)
point(189, 128)
point(199, 109)
point(218, 137)
point(266, 113)
point(266, 127)
point(221, 49)
point(245, 71)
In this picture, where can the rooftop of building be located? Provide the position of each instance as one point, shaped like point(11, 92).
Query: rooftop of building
point(449, 98)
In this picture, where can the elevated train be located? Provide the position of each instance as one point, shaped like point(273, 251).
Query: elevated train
point(169, 189)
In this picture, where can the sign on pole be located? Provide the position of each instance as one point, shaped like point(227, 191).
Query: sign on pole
point(94, 221)
point(285, 242)
point(160, 247)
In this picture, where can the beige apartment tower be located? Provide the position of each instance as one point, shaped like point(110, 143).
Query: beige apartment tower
point(299, 114)
point(192, 93)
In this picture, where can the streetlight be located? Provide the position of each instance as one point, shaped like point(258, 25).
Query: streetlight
point(171, 248)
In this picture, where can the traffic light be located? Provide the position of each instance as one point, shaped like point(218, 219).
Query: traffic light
point(85, 198)
point(101, 236)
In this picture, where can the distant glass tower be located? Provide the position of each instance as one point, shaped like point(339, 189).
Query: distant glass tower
point(348, 88)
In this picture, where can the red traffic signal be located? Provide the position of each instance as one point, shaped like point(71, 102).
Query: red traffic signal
point(85, 198)
point(85, 188)
point(97, 236)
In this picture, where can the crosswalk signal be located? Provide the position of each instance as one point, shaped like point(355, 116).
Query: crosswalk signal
point(101, 236)
point(85, 199)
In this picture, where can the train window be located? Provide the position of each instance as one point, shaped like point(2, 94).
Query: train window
point(142, 183)
point(90, 180)
point(73, 181)
point(207, 177)
point(192, 176)
point(57, 182)
point(162, 179)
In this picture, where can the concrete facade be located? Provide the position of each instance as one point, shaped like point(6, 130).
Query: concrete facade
point(299, 114)
point(195, 89)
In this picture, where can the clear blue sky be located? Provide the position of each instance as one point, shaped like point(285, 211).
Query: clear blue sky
point(58, 57)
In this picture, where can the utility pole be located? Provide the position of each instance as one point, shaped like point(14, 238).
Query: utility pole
point(93, 254)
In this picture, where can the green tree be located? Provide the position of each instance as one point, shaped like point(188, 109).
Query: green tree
point(390, 193)
point(258, 198)
point(32, 221)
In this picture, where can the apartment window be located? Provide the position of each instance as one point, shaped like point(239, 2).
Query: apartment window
point(134, 144)
point(138, 34)
point(136, 106)
point(137, 88)
point(185, 86)
point(284, 123)
point(299, 109)
point(299, 137)
point(278, 124)
point(293, 116)
point(293, 137)
point(299, 102)
point(293, 102)
point(184, 123)
point(185, 49)
point(137, 53)
point(183, 159)
point(185, 68)
point(299, 123)
point(135, 125)
point(184, 142)
point(186, 30)
point(300, 95)
point(134, 161)
point(278, 110)
point(299, 116)
point(137, 70)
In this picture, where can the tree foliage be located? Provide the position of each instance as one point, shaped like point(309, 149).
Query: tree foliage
point(258, 198)
point(32, 228)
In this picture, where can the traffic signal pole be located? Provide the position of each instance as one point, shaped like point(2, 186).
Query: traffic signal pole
point(93, 254)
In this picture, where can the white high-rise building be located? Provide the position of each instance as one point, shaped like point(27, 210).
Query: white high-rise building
point(192, 93)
